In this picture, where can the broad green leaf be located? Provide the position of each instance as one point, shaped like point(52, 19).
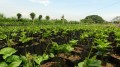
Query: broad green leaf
point(24, 39)
point(6, 52)
point(3, 36)
point(38, 59)
point(45, 57)
point(73, 42)
point(69, 48)
point(23, 58)
point(12, 58)
point(3, 64)
point(52, 55)
point(15, 64)
point(14, 34)
point(25, 61)
point(81, 64)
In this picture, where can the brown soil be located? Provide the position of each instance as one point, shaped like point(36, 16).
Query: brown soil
point(68, 60)
point(78, 49)
point(51, 64)
point(77, 55)
point(72, 58)
point(116, 56)
point(57, 62)
point(107, 65)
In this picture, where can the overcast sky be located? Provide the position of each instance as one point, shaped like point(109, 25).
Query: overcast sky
point(72, 9)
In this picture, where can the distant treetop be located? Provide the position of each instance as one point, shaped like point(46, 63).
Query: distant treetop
point(94, 19)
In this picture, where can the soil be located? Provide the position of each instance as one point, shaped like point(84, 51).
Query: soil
point(51, 64)
point(78, 55)
point(57, 62)
point(116, 56)
point(67, 60)
point(107, 65)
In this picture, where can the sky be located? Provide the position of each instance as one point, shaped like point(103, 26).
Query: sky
point(71, 9)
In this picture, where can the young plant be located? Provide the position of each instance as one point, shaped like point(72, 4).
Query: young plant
point(102, 46)
point(9, 60)
point(24, 38)
point(65, 48)
point(92, 62)
point(2, 36)
point(34, 60)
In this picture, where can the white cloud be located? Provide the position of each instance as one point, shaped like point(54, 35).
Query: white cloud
point(44, 2)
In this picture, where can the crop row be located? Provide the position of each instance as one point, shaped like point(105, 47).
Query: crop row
point(54, 39)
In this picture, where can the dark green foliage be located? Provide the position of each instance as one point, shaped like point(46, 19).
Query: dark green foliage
point(93, 19)
point(10, 60)
point(19, 16)
point(32, 15)
point(87, 21)
point(74, 22)
point(40, 17)
point(12, 21)
point(47, 18)
point(1, 15)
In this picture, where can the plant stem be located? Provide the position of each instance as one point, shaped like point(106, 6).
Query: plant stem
point(90, 51)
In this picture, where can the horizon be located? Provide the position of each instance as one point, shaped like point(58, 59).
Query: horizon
point(72, 10)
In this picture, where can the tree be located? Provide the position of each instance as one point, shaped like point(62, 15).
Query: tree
point(40, 17)
point(1, 15)
point(95, 19)
point(87, 21)
point(32, 15)
point(47, 18)
point(19, 16)
point(116, 19)
point(2, 18)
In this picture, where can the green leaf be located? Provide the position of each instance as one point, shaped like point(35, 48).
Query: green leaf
point(27, 61)
point(23, 58)
point(52, 55)
point(25, 39)
point(12, 58)
point(95, 63)
point(2, 36)
point(3, 64)
point(69, 48)
point(6, 52)
point(81, 64)
point(92, 62)
point(15, 64)
point(38, 59)
point(73, 42)
point(45, 57)
point(55, 44)
point(14, 34)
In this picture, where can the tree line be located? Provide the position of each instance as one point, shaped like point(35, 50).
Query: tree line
point(32, 16)
point(87, 19)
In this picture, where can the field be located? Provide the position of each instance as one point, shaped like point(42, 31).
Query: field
point(60, 45)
